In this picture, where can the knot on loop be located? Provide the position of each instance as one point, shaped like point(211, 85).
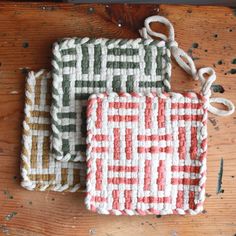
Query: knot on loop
point(173, 44)
point(143, 33)
point(206, 83)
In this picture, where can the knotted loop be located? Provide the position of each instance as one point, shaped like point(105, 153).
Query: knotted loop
point(179, 54)
point(164, 21)
point(206, 82)
point(206, 92)
point(221, 112)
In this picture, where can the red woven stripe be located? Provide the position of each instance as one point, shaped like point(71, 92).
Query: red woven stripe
point(182, 143)
point(128, 143)
point(128, 199)
point(98, 199)
point(192, 204)
point(188, 169)
point(193, 149)
point(187, 117)
point(186, 106)
point(184, 181)
point(120, 180)
point(166, 137)
point(100, 137)
point(148, 112)
point(99, 113)
point(99, 149)
point(180, 199)
point(116, 143)
point(115, 195)
point(119, 118)
point(147, 177)
point(99, 174)
point(154, 199)
point(161, 175)
point(123, 168)
point(155, 149)
point(161, 113)
point(126, 105)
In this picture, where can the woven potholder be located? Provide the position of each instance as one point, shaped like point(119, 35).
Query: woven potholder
point(83, 66)
point(146, 154)
point(39, 170)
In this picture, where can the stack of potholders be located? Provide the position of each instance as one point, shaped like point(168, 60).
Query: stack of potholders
point(140, 149)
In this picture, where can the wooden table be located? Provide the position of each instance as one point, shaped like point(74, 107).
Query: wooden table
point(27, 31)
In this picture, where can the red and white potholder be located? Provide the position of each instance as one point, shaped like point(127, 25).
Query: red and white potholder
point(146, 154)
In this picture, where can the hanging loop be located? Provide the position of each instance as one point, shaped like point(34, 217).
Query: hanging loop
point(206, 92)
point(180, 55)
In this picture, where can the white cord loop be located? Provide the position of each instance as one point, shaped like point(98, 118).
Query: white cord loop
point(179, 54)
point(181, 58)
point(206, 92)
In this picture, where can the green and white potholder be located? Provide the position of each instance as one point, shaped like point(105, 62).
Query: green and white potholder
point(84, 66)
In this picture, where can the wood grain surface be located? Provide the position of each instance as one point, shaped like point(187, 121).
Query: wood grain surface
point(27, 31)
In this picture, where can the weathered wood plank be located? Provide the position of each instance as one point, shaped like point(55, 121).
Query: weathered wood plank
point(27, 31)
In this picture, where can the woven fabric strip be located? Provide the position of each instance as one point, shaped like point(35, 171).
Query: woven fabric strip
point(39, 170)
point(85, 66)
point(146, 154)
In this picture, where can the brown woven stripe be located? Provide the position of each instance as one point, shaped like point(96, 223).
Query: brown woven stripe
point(34, 151)
point(45, 157)
point(49, 93)
point(35, 126)
point(64, 173)
point(43, 177)
point(38, 90)
point(44, 114)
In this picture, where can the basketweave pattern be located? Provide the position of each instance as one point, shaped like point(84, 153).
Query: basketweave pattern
point(146, 154)
point(85, 66)
point(39, 169)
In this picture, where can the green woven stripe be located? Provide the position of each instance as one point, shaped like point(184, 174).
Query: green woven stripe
point(68, 128)
point(71, 63)
point(66, 91)
point(84, 124)
point(80, 147)
point(82, 96)
point(65, 145)
point(148, 60)
point(151, 84)
point(130, 84)
point(97, 59)
point(85, 59)
point(70, 115)
point(122, 51)
point(90, 84)
point(116, 83)
point(122, 65)
point(69, 51)
point(159, 59)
